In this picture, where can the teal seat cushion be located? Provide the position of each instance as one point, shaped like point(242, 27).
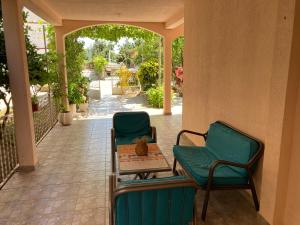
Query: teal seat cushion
point(130, 140)
point(131, 124)
point(197, 160)
point(170, 206)
point(227, 144)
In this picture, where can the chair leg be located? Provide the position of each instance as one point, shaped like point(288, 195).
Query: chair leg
point(174, 167)
point(195, 214)
point(254, 195)
point(111, 191)
point(113, 161)
point(205, 204)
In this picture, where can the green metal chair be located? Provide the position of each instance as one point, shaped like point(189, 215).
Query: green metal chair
point(127, 126)
point(160, 201)
point(226, 161)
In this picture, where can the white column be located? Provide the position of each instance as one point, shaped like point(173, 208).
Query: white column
point(19, 82)
point(167, 75)
point(60, 49)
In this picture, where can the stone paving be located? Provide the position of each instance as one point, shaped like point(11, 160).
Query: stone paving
point(70, 183)
point(107, 104)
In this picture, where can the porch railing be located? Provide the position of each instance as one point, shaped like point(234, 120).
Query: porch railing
point(44, 119)
point(8, 148)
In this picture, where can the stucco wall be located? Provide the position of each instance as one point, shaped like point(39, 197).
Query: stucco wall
point(288, 196)
point(236, 69)
point(292, 205)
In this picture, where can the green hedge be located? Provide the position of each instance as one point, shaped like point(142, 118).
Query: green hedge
point(99, 63)
point(155, 97)
point(148, 74)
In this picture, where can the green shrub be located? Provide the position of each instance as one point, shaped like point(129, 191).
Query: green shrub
point(155, 97)
point(99, 63)
point(74, 94)
point(148, 74)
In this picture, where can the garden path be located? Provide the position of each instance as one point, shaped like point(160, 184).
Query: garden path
point(108, 104)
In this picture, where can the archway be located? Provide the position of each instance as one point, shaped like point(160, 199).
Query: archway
point(147, 46)
point(159, 28)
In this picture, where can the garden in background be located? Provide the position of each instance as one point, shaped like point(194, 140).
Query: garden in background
point(128, 57)
point(132, 57)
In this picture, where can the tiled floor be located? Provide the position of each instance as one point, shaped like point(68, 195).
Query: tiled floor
point(70, 184)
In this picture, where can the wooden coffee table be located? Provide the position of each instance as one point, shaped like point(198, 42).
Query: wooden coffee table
point(142, 166)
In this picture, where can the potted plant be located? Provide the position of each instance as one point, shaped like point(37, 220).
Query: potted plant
point(65, 117)
point(34, 103)
point(83, 106)
point(72, 107)
point(83, 84)
point(74, 96)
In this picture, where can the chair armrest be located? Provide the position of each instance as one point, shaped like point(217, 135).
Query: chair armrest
point(113, 138)
point(113, 150)
point(154, 134)
point(190, 132)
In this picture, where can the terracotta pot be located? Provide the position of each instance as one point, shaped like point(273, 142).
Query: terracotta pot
point(65, 118)
point(83, 107)
point(35, 107)
point(141, 148)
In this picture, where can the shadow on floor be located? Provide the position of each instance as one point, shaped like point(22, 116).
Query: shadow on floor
point(229, 208)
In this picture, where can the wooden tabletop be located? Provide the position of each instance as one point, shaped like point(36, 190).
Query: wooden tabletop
point(130, 163)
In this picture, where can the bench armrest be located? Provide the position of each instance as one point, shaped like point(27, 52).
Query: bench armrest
point(229, 163)
point(257, 156)
point(223, 162)
point(190, 132)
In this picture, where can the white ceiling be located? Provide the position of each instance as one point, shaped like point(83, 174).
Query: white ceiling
point(112, 10)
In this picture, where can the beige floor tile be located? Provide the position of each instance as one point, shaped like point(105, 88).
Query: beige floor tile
point(70, 185)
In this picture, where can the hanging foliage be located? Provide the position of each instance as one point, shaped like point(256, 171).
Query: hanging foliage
point(36, 65)
point(114, 32)
point(177, 52)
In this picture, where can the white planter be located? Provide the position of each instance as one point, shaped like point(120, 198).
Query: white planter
point(72, 108)
point(65, 118)
point(83, 107)
point(116, 90)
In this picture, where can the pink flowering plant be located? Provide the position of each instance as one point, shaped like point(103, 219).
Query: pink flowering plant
point(179, 73)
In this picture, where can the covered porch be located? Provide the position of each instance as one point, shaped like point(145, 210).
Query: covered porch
point(70, 184)
point(242, 65)
point(163, 18)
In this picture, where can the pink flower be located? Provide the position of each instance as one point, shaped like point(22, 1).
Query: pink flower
point(179, 73)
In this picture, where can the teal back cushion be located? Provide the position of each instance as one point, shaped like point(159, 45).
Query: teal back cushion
point(172, 206)
point(228, 144)
point(131, 124)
